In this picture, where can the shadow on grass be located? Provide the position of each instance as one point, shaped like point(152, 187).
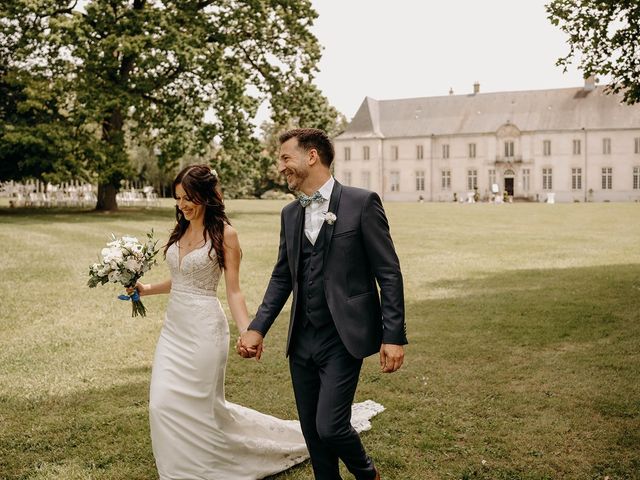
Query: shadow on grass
point(533, 370)
point(537, 306)
point(103, 433)
point(28, 216)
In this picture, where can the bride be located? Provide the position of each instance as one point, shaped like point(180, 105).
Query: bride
point(195, 432)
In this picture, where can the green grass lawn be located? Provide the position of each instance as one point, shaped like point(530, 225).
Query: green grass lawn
point(524, 361)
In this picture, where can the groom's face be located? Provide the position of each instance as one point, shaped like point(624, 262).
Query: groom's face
point(293, 164)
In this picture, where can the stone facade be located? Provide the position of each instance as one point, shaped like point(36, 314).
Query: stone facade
point(577, 144)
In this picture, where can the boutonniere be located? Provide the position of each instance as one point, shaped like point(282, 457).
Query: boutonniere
point(330, 218)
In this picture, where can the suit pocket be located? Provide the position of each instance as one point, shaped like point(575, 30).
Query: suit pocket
point(359, 296)
point(348, 233)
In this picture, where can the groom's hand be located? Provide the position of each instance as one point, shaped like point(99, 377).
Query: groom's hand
point(391, 357)
point(250, 344)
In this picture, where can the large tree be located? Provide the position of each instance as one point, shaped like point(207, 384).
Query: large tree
point(307, 108)
point(36, 139)
point(153, 69)
point(604, 35)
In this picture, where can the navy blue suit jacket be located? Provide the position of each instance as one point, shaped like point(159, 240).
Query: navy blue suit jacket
point(362, 278)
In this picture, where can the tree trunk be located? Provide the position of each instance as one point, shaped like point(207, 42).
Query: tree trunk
point(107, 198)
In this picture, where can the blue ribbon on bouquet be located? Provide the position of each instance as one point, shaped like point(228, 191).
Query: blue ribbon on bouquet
point(134, 297)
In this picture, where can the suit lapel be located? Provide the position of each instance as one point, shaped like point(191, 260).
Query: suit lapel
point(334, 203)
point(298, 226)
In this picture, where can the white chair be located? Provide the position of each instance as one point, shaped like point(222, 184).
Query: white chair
point(72, 198)
point(89, 199)
point(33, 199)
point(18, 200)
point(152, 199)
point(59, 199)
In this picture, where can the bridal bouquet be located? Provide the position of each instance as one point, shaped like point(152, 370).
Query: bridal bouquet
point(124, 260)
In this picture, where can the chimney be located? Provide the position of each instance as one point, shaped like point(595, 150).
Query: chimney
point(476, 88)
point(590, 83)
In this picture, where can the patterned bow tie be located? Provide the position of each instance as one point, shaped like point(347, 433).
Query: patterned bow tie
point(305, 200)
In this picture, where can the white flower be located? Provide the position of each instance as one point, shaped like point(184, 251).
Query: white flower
point(111, 254)
point(214, 173)
point(125, 278)
point(330, 218)
point(114, 276)
point(132, 265)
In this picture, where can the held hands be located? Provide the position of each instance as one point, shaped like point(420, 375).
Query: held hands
point(250, 344)
point(391, 357)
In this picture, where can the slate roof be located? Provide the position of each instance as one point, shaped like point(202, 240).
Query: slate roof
point(535, 110)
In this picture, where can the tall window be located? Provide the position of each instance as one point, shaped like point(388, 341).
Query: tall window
point(395, 181)
point(636, 178)
point(445, 150)
point(492, 177)
point(576, 179)
point(472, 179)
point(420, 181)
point(576, 147)
point(365, 153)
point(366, 180)
point(508, 149)
point(394, 153)
point(446, 179)
point(637, 145)
point(547, 178)
point(347, 177)
point(606, 146)
point(607, 178)
point(347, 154)
point(546, 148)
point(472, 150)
point(526, 179)
point(419, 152)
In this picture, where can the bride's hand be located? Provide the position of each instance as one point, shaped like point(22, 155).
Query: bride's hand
point(250, 344)
point(142, 289)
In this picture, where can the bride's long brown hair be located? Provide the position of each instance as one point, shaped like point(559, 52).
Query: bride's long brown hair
point(201, 186)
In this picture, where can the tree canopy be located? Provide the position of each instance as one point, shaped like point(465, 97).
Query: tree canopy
point(181, 74)
point(605, 38)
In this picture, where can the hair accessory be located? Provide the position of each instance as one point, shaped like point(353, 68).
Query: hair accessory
point(214, 173)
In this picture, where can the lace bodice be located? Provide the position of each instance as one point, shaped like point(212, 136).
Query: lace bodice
point(197, 274)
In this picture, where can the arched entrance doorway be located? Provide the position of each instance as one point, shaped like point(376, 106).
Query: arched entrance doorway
point(509, 179)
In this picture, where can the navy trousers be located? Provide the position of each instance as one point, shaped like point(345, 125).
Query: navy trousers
point(325, 377)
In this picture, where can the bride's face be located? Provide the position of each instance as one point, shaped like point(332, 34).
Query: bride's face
point(189, 209)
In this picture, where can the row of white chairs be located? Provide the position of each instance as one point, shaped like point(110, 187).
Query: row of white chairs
point(79, 198)
point(133, 198)
point(53, 199)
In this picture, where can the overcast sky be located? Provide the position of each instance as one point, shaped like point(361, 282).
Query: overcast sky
point(390, 49)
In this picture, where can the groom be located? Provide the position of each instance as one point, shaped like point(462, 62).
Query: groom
point(334, 247)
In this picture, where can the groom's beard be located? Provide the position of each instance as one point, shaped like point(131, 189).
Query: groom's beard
point(297, 179)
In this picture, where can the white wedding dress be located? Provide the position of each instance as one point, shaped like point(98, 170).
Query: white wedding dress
point(196, 434)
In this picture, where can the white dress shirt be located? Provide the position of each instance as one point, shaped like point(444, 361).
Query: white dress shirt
point(314, 213)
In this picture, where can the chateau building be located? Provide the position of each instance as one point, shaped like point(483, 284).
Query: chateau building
point(569, 144)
